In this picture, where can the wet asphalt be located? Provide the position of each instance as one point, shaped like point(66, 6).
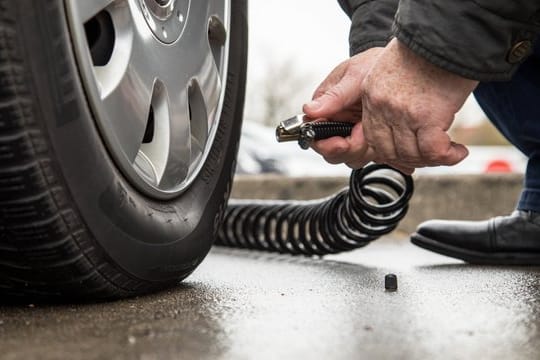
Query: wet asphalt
point(241, 305)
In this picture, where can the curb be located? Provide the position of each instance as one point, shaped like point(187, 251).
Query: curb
point(460, 197)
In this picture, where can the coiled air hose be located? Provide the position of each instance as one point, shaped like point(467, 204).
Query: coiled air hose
point(376, 200)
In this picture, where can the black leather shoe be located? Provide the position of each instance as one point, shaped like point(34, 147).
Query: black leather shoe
point(503, 240)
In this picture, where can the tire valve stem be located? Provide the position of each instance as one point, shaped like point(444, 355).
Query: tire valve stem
point(297, 129)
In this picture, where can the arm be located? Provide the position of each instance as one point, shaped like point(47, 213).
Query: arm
point(338, 96)
point(371, 23)
point(478, 39)
point(410, 95)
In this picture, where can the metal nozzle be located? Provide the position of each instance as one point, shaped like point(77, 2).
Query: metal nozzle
point(295, 129)
point(290, 129)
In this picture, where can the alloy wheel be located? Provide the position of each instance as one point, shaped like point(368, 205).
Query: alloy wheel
point(154, 72)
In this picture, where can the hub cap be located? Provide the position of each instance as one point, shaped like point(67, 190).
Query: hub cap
point(166, 18)
point(154, 72)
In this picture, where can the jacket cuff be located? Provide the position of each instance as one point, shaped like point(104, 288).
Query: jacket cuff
point(371, 23)
point(470, 39)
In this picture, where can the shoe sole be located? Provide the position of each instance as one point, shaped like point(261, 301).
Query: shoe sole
point(476, 257)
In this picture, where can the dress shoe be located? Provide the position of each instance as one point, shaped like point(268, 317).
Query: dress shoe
point(503, 240)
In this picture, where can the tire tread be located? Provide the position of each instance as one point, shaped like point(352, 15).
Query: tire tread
point(45, 251)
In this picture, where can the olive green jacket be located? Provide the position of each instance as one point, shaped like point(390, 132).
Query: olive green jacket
point(484, 40)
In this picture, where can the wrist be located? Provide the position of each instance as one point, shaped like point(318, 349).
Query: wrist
point(419, 66)
point(370, 51)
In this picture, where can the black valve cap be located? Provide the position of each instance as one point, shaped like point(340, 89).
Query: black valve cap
point(390, 282)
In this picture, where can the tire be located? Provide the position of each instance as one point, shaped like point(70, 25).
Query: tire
point(73, 224)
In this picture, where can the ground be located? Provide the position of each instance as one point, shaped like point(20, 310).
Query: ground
point(250, 305)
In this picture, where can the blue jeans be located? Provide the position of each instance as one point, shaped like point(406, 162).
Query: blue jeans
point(514, 108)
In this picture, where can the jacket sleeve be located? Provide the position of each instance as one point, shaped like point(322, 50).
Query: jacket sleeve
point(371, 22)
point(484, 40)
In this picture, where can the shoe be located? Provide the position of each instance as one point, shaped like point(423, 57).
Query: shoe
point(503, 240)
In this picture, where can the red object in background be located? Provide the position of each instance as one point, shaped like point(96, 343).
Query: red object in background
point(498, 166)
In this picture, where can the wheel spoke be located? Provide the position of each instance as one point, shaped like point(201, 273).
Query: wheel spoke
point(216, 8)
point(177, 77)
point(126, 84)
point(193, 103)
point(196, 62)
point(192, 80)
point(128, 107)
point(210, 83)
point(210, 77)
point(178, 157)
point(87, 9)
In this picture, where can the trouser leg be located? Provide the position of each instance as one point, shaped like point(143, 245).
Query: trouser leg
point(514, 108)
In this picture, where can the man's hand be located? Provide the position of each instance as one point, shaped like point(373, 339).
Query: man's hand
point(408, 105)
point(339, 98)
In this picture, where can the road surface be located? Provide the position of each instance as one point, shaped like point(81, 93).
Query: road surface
point(241, 305)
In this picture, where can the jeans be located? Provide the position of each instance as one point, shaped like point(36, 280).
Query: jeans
point(514, 108)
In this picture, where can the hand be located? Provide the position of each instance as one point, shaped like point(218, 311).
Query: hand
point(339, 98)
point(408, 106)
point(406, 103)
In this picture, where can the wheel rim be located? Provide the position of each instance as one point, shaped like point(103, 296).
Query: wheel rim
point(155, 74)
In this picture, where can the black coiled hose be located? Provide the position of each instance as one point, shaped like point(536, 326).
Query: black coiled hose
point(376, 200)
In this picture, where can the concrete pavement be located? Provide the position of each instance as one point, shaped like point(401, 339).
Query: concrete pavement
point(241, 305)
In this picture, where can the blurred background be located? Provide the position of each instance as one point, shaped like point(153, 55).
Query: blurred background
point(293, 45)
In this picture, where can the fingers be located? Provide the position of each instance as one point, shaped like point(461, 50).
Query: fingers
point(352, 150)
point(333, 78)
point(335, 99)
point(406, 145)
point(406, 150)
point(436, 147)
point(404, 169)
point(399, 147)
point(342, 88)
point(388, 131)
point(332, 149)
point(381, 139)
point(361, 160)
point(405, 106)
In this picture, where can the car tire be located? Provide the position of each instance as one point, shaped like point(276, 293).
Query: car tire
point(73, 225)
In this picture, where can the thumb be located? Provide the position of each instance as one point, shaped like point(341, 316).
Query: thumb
point(334, 100)
point(437, 148)
point(457, 153)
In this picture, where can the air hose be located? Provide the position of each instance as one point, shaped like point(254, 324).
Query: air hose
point(376, 200)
